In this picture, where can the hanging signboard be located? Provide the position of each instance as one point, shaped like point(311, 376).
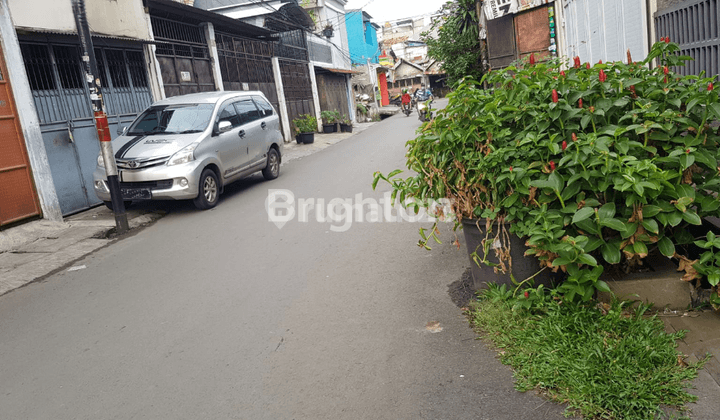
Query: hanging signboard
point(499, 8)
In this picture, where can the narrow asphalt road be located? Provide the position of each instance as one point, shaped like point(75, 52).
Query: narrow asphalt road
point(222, 315)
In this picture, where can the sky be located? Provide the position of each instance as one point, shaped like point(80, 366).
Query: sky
point(384, 10)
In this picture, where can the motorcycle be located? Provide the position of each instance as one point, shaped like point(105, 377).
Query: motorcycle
point(424, 111)
point(407, 109)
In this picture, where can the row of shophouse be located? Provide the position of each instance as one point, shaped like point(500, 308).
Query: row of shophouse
point(296, 53)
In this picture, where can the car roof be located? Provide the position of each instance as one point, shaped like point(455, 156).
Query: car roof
point(207, 97)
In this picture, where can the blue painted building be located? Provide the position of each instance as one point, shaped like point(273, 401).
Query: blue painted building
point(362, 37)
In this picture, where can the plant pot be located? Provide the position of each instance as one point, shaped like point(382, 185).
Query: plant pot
point(522, 266)
point(329, 128)
point(305, 138)
point(346, 128)
point(328, 32)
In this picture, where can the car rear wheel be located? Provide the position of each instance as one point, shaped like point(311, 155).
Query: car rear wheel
point(208, 191)
point(272, 170)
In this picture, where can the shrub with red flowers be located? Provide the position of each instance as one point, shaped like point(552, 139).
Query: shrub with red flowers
point(596, 168)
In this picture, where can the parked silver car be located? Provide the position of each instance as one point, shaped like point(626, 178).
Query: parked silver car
point(191, 146)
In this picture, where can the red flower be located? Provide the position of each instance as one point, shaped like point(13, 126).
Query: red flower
point(562, 73)
point(587, 66)
point(580, 103)
point(602, 76)
point(552, 165)
point(574, 137)
point(564, 145)
point(554, 96)
point(710, 87)
point(666, 70)
point(667, 39)
point(632, 89)
point(576, 61)
point(511, 169)
point(592, 109)
point(527, 295)
point(629, 57)
point(600, 62)
point(687, 151)
point(532, 59)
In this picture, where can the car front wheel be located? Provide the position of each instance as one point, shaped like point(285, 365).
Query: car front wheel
point(272, 170)
point(208, 191)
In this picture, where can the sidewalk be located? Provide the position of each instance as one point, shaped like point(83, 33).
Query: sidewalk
point(34, 250)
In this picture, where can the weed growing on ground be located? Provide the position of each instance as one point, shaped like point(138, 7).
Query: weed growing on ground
point(605, 362)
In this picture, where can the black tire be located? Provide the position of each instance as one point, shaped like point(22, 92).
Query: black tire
point(208, 190)
point(109, 205)
point(272, 169)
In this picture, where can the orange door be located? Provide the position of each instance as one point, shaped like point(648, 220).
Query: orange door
point(18, 198)
point(382, 81)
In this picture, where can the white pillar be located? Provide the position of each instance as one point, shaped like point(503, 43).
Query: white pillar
point(157, 88)
point(212, 48)
point(282, 104)
point(27, 116)
point(316, 96)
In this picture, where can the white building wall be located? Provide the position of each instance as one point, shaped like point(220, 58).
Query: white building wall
point(125, 18)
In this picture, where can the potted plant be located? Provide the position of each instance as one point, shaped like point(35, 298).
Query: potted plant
point(592, 168)
point(330, 119)
point(346, 125)
point(305, 126)
point(328, 31)
point(362, 111)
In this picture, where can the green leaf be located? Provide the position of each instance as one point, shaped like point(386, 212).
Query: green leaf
point(585, 120)
point(556, 182)
point(650, 210)
point(583, 214)
point(691, 217)
point(651, 225)
point(614, 224)
point(640, 248)
point(592, 244)
point(611, 253)
point(666, 246)
point(557, 262)
point(587, 259)
point(686, 160)
point(607, 211)
point(602, 286)
point(570, 191)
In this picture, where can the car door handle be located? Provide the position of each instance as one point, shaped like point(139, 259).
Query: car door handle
point(263, 125)
point(241, 133)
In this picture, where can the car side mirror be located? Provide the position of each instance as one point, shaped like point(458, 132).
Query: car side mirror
point(122, 130)
point(224, 127)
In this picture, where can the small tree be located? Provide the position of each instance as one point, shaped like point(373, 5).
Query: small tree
point(457, 44)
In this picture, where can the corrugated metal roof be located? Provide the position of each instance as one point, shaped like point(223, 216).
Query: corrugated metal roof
point(24, 30)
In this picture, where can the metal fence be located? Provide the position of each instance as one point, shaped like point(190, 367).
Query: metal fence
point(694, 26)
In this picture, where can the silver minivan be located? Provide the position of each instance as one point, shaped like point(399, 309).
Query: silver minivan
point(191, 146)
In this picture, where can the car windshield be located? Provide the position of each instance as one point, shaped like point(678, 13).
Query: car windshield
point(173, 119)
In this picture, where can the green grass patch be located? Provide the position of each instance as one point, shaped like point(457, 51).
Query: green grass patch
point(603, 362)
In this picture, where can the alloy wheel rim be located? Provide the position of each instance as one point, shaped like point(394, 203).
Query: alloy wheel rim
point(210, 189)
point(274, 164)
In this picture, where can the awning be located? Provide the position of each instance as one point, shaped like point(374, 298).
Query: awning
point(340, 71)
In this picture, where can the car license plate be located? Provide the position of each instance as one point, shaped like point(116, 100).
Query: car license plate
point(136, 193)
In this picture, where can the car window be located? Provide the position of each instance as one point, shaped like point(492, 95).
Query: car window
point(229, 113)
point(266, 109)
point(172, 119)
point(247, 110)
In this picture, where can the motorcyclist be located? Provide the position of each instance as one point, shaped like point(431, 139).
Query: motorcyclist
point(406, 99)
point(423, 94)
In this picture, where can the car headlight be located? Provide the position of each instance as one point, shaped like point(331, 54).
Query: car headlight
point(100, 161)
point(184, 155)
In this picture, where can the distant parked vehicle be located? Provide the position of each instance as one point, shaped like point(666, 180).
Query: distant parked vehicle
point(189, 147)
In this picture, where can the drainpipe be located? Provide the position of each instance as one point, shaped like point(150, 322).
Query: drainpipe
point(282, 103)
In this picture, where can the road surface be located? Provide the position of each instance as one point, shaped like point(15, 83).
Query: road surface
point(221, 314)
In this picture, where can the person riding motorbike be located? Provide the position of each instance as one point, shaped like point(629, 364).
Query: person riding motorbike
point(406, 102)
point(423, 94)
point(424, 98)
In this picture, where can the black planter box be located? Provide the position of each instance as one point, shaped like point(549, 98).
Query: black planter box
point(329, 128)
point(305, 138)
point(522, 266)
point(346, 128)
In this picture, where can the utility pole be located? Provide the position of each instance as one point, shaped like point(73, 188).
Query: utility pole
point(92, 78)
